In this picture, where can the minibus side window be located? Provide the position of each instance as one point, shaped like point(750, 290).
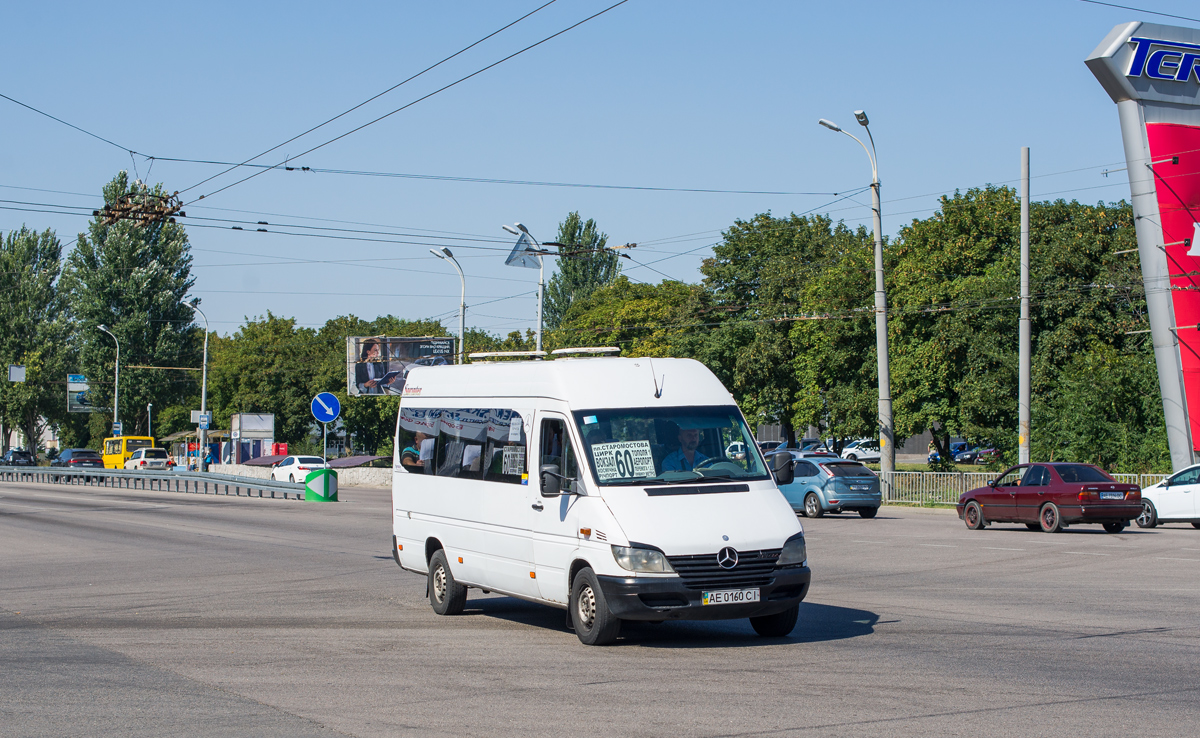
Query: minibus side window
point(486, 444)
point(557, 449)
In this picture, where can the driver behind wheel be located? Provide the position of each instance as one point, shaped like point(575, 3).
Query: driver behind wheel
point(686, 457)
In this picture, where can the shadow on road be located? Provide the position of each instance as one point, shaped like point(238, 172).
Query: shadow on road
point(817, 623)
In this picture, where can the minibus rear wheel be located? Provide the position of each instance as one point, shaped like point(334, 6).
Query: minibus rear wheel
point(594, 622)
point(447, 596)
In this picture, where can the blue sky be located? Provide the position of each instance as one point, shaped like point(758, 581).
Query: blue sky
point(655, 93)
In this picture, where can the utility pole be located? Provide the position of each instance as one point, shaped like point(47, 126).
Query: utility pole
point(1023, 392)
point(201, 452)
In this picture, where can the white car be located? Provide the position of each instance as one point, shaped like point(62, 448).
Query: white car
point(736, 450)
point(865, 451)
point(148, 458)
point(1173, 500)
point(296, 468)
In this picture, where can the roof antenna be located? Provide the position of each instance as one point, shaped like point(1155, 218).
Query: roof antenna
point(657, 387)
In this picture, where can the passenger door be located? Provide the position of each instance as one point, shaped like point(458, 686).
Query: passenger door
point(1004, 497)
point(1178, 501)
point(1031, 494)
point(555, 523)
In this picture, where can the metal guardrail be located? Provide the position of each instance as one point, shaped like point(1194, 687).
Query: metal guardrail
point(931, 488)
point(166, 481)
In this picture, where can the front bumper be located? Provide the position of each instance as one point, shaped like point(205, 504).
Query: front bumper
point(671, 598)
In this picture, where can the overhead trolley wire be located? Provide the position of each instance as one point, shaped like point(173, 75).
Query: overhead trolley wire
point(425, 97)
point(370, 99)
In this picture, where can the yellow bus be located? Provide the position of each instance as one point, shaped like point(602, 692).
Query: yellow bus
point(118, 450)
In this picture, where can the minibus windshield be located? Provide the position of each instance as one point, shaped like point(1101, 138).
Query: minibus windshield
point(671, 445)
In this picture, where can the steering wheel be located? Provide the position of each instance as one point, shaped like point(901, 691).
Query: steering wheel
point(727, 464)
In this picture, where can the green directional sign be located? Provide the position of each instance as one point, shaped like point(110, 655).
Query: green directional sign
point(321, 485)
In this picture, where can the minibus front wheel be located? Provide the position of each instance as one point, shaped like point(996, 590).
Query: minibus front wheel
point(594, 622)
point(447, 596)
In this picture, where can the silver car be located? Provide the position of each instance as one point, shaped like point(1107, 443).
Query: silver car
point(148, 458)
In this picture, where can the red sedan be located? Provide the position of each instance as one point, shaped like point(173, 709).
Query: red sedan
point(1051, 497)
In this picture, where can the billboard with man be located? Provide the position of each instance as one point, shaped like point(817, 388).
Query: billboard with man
point(378, 365)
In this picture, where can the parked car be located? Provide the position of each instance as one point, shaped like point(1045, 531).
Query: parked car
point(17, 457)
point(1050, 497)
point(736, 451)
point(149, 458)
point(296, 468)
point(866, 451)
point(1173, 500)
point(988, 456)
point(968, 456)
point(956, 448)
point(766, 446)
point(78, 458)
point(824, 483)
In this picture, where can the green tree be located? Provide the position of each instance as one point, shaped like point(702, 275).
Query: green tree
point(640, 319)
point(584, 265)
point(33, 333)
point(267, 366)
point(133, 278)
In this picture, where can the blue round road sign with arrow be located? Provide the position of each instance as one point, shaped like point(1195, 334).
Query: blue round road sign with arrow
point(326, 408)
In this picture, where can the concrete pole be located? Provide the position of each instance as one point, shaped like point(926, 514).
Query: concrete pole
point(887, 429)
point(203, 396)
point(541, 295)
point(1026, 355)
point(1156, 277)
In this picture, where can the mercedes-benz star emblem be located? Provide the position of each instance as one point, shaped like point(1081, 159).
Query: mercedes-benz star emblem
point(727, 558)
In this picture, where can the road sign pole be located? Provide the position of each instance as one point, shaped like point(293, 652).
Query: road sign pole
point(324, 444)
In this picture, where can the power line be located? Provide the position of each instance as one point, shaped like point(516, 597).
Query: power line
point(1142, 10)
point(431, 94)
point(376, 97)
point(71, 125)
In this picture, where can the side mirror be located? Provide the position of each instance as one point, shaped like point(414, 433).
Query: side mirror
point(551, 481)
point(991, 482)
point(782, 468)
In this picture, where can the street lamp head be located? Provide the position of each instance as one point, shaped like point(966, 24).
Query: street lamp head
point(103, 327)
point(523, 228)
point(862, 118)
point(435, 253)
point(511, 230)
point(829, 124)
point(447, 252)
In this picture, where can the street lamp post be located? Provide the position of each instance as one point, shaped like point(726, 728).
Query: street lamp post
point(116, 375)
point(446, 255)
point(149, 427)
point(203, 396)
point(541, 275)
point(887, 433)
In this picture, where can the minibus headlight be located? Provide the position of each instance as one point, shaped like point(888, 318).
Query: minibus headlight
point(794, 553)
point(641, 559)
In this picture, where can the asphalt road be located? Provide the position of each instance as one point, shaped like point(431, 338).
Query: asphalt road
point(154, 614)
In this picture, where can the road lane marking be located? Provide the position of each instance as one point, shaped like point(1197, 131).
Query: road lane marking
point(1169, 558)
point(995, 548)
point(937, 545)
point(1086, 553)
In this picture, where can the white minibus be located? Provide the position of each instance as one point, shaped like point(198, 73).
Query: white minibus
point(598, 485)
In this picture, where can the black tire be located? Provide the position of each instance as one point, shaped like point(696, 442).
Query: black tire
point(1033, 526)
point(812, 506)
point(973, 516)
point(1115, 527)
point(594, 623)
point(1196, 525)
point(1050, 519)
point(292, 478)
point(779, 625)
point(447, 596)
point(1149, 516)
point(852, 457)
point(868, 512)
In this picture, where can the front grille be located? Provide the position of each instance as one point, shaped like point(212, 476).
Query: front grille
point(753, 569)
